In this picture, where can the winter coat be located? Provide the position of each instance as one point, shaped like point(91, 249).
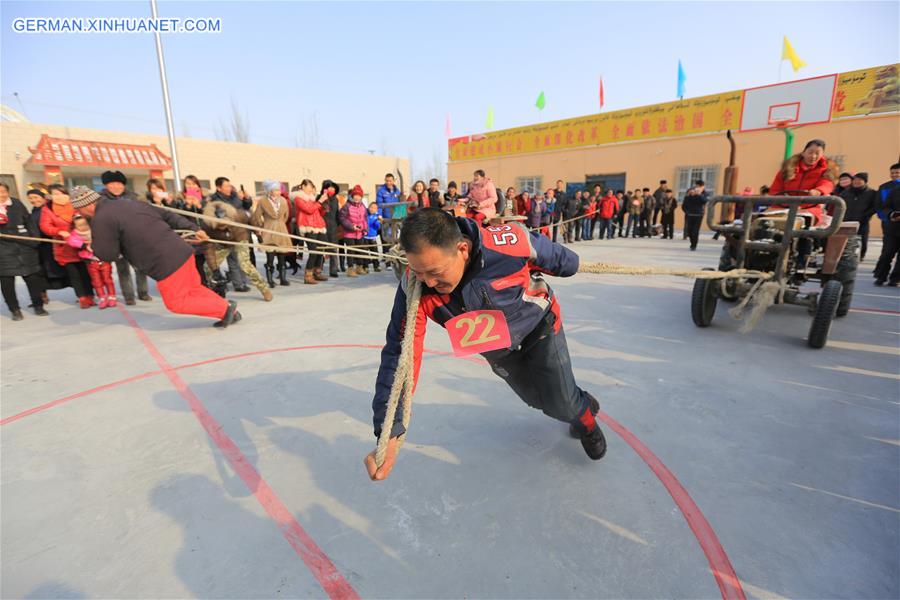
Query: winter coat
point(233, 200)
point(694, 205)
point(435, 199)
point(546, 212)
point(220, 231)
point(499, 277)
point(18, 257)
point(648, 203)
point(450, 202)
point(569, 206)
point(884, 191)
point(269, 216)
point(329, 208)
point(55, 219)
point(669, 206)
point(422, 200)
point(861, 205)
point(523, 206)
point(609, 205)
point(351, 215)
point(796, 178)
point(892, 207)
point(633, 205)
point(535, 212)
point(483, 198)
point(308, 213)
point(142, 234)
point(374, 223)
point(385, 196)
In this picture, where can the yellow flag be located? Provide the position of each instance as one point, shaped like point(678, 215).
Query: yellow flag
point(787, 53)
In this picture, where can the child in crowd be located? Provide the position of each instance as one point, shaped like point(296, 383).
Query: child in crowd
point(371, 238)
point(100, 272)
point(354, 219)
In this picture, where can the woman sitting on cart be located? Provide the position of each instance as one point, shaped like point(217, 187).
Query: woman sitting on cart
point(809, 173)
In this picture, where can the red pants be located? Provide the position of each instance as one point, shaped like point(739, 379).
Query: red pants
point(473, 214)
point(101, 278)
point(183, 293)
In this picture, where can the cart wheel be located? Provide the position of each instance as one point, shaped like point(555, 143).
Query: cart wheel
point(703, 301)
point(846, 274)
point(825, 311)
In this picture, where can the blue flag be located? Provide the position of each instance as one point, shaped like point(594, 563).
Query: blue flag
point(681, 80)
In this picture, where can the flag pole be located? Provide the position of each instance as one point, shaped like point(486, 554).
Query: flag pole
point(166, 103)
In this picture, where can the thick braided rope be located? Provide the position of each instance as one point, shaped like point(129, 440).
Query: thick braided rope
point(403, 376)
point(616, 269)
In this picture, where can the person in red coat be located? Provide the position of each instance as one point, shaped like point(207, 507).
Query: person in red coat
point(809, 173)
point(56, 222)
point(607, 208)
point(310, 224)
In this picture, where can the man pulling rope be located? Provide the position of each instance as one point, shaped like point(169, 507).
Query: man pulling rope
point(486, 287)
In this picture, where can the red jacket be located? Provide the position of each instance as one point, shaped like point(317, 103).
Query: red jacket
point(309, 213)
point(796, 178)
point(592, 208)
point(609, 206)
point(523, 206)
point(52, 224)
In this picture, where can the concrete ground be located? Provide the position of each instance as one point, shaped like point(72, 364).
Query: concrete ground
point(150, 469)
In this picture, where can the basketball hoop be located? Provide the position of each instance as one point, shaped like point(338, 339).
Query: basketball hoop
point(782, 124)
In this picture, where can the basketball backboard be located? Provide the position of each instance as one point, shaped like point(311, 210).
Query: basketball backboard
point(802, 102)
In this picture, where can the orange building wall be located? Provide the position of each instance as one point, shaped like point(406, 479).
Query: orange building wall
point(868, 144)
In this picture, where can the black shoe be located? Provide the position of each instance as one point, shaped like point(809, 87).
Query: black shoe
point(270, 276)
point(333, 274)
point(145, 297)
point(17, 315)
point(282, 276)
point(594, 443)
point(130, 301)
point(377, 269)
point(893, 283)
point(693, 248)
point(39, 311)
point(879, 282)
point(231, 316)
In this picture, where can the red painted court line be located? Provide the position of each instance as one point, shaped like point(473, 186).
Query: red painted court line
point(52, 403)
point(877, 311)
point(729, 585)
point(312, 556)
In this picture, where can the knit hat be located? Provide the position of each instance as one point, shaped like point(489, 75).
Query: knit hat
point(357, 191)
point(82, 196)
point(845, 174)
point(329, 184)
point(271, 186)
point(113, 176)
point(862, 175)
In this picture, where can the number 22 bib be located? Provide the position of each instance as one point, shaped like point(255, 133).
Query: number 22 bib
point(478, 331)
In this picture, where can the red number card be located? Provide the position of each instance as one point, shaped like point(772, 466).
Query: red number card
point(478, 331)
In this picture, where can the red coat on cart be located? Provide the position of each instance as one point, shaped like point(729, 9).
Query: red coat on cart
point(796, 178)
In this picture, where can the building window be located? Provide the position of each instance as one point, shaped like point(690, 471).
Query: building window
point(686, 176)
point(532, 185)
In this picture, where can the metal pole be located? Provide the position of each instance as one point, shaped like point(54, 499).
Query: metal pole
point(166, 104)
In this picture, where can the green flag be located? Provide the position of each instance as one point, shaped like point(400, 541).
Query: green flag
point(489, 122)
point(541, 101)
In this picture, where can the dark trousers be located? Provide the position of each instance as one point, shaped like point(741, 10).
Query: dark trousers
point(540, 373)
point(656, 213)
point(315, 261)
point(668, 223)
point(863, 233)
point(888, 253)
point(607, 226)
point(645, 224)
point(578, 226)
point(692, 228)
point(36, 283)
point(80, 280)
point(331, 236)
point(352, 261)
point(123, 268)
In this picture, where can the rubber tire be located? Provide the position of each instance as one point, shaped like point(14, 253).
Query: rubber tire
point(846, 274)
point(826, 308)
point(703, 301)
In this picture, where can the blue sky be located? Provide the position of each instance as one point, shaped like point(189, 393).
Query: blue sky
point(383, 76)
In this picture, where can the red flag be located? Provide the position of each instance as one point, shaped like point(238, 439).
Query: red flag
point(601, 92)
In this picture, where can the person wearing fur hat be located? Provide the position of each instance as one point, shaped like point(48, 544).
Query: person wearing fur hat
point(114, 183)
point(216, 254)
point(355, 222)
point(310, 224)
point(145, 237)
point(809, 173)
point(272, 213)
point(329, 202)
